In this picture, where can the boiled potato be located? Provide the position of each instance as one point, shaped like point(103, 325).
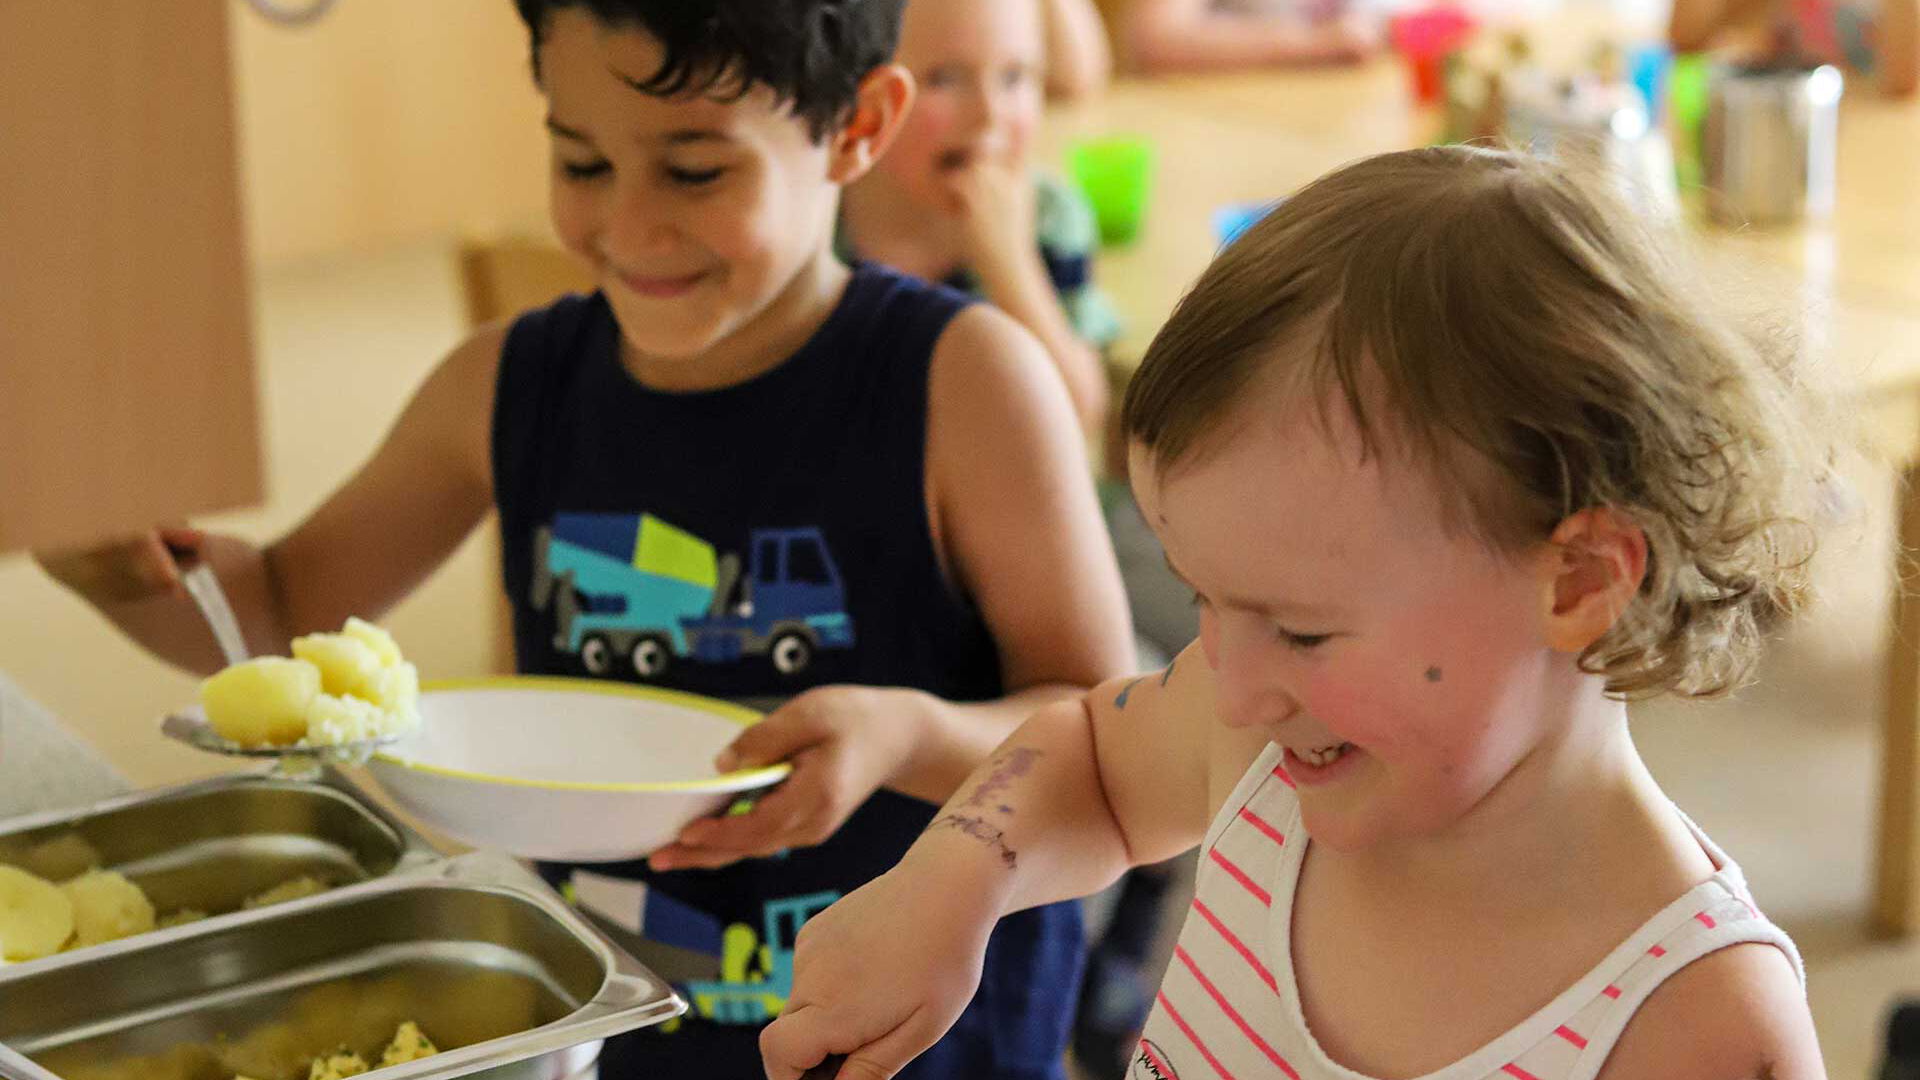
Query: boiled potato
point(36, 918)
point(262, 702)
point(337, 1065)
point(398, 692)
point(333, 720)
point(375, 638)
point(409, 1044)
point(107, 907)
point(347, 665)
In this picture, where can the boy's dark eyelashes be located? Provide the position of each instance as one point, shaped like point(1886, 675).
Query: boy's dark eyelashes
point(588, 170)
point(694, 177)
point(584, 170)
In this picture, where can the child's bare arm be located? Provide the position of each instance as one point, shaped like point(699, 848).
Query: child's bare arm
point(1079, 60)
point(1736, 1014)
point(1163, 36)
point(1130, 774)
point(999, 207)
point(369, 544)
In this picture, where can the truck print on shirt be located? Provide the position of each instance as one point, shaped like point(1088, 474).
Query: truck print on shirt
point(632, 596)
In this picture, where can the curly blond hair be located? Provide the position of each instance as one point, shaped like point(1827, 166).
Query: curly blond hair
point(1495, 306)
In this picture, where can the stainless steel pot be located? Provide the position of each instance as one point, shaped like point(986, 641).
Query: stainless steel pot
point(1769, 144)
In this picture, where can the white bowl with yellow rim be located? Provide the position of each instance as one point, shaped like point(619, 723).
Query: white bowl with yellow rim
point(566, 769)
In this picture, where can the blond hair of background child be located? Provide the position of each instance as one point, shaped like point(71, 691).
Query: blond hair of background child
point(1455, 468)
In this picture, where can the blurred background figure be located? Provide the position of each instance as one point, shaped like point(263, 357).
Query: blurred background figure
point(1163, 36)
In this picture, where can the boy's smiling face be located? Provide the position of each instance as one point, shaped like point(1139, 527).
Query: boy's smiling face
point(698, 214)
point(976, 67)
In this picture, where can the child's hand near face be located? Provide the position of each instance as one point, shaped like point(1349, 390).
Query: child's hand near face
point(994, 202)
point(844, 742)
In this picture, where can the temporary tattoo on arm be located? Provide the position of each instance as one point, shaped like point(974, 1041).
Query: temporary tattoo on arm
point(1120, 699)
point(1168, 674)
point(980, 829)
point(1007, 768)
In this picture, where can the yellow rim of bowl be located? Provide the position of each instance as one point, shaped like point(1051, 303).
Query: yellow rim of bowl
point(738, 780)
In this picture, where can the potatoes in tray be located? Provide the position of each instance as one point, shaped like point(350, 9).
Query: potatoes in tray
point(107, 907)
point(36, 918)
point(336, 688)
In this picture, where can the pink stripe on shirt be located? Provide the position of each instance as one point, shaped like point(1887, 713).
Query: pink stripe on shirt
point(1240, 876)
point(1232, 1013)
point(1239, 946)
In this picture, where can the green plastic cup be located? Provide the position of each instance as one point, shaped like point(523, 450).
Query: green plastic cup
point(1687, 99)
point(1116, 174)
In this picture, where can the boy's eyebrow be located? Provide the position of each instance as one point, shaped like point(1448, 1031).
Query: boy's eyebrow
point(566, 132)
point(1264, 607)
point(680, 137)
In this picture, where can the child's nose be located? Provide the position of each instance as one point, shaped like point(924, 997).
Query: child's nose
point(1247, 691)
point(638, 223)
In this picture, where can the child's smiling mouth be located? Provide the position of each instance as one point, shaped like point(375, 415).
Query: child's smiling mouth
point(1320, 764)
point(660, 287)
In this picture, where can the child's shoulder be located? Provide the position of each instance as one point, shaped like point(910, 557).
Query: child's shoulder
point(1739, 1012)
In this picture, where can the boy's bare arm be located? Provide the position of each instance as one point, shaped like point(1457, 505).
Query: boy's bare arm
point(359, 553)
point(1014, 514)
point(383, 532)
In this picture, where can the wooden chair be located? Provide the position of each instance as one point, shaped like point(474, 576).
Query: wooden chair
point(502, 278)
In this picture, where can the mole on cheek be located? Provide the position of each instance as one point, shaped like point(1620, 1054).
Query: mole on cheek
point(1433, 674)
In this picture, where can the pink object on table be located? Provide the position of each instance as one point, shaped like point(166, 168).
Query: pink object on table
point(1424, 38)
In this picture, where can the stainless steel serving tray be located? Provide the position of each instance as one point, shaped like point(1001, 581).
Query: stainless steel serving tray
point(209, 845)
point(507, 979)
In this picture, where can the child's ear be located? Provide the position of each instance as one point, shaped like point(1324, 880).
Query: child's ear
point(879, 107)
point(1594, 564)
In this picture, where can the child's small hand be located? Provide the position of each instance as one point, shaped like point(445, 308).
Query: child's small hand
point(128, 569)
point(880, 976)
point(994, 201)
point(843, 741)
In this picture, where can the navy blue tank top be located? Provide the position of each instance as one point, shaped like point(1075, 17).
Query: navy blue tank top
point(748, 543)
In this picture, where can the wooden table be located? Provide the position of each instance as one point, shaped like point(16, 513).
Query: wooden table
point(1850, 287)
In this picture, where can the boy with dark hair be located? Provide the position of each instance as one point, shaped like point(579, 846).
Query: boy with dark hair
point(901, 460)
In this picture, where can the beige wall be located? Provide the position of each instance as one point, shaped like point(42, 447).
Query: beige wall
point(387, 122)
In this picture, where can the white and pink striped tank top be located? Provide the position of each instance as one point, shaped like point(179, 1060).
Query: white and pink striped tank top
point(1228, 1008)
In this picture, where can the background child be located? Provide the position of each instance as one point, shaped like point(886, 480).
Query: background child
point(731, 376)
point(957, 199)
point(1452, 471)
point(1159, 37)
point(1878, 38)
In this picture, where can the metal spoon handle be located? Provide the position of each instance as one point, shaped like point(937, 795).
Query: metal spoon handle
point(205, 589)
